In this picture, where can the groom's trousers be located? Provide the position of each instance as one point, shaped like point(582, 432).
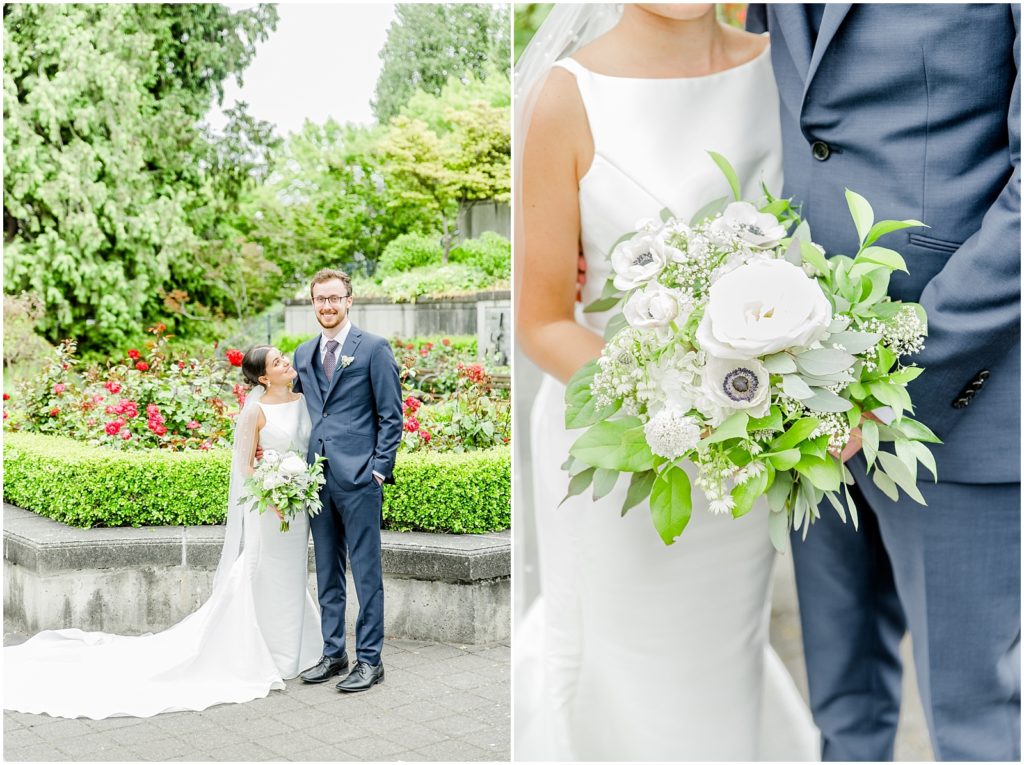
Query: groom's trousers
point(950, 572)
point(350, 523)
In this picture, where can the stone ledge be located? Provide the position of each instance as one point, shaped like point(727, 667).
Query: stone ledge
point(47, 546)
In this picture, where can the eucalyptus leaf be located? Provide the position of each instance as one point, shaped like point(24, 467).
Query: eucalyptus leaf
point(609, 289)
point(886, 309)
point(826, 401)
point(615, 325)
point(615, 444)
point(640, 485)
point(729, 172)
point(884, 227)
point(886, 484)
point(863, 215)
point(778, 530)
point(792, 253)
point(799, 508)
point(839, 324)
point(855, 342)
point(665, 215)
point(778, 492)
point(869, 440)
point(779, 363)
point(834, 501)
point(671, 503)
point(604, 482)
point(578, 484)
point(824, 361)
point(851, 506)
point(796, 388)
point(602, 304)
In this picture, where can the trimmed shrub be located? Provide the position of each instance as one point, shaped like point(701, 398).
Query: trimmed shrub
point(436, 281)
point(409, 251)
point(491, 253)
point(87, 486)
point(468, 493)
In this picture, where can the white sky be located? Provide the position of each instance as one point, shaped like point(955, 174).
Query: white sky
point(322, 61)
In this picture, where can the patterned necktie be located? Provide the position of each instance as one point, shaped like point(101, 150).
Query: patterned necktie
point(329, 360)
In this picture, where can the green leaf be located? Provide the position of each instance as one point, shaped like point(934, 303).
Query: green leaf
point(785, 459)
point(640, 485)
point(816, 447)
point(883, 257)
point(772, 421)
point(811, 255)
point(746, 494)
point(907, 457)
point(884, 227)
point(578, 484)
point(924, 456)
point(581, 409)
point(824, 361)
point(670, 503)
point(886, 309)
point(604, 482)
point(877, 286)
point(797, 432)
point(729, 172)
point(796, 388)
point(851, 506)
point(826, 401)
point(710, 210)
point(890, 395)
point(665, 215)
point(615, 444)
point(779, 363)
point(855, 342)
point(778, 530)
point(905, 375)
point(734, 427)
point(776, 207)
point(825, 474)
point(898, 472)
point(917, 431)
point(610, 290)
point(886, 484)
point(778, 492)
point(834, 501)
point(615, 325)
point(863, 215)
point(602, 304)
point(869, 440)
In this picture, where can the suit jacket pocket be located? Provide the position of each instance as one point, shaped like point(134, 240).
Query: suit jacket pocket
point(931, 243)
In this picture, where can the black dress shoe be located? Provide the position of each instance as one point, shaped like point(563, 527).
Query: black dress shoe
point(362, 678)
point(325, 669)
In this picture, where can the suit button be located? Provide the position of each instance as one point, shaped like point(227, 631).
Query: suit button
point(975, 386)
point(961, 402)
point(983, 375)
point(820, 151)
point(325, 415)
point(968, 393)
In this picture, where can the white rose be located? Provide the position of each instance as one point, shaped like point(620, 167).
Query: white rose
point(637, 260)
point(763, 307)
point(653, 306)
point(271, 482)
point(293, 465)
point(270, 457)
point(737, 384)
point(755, 228)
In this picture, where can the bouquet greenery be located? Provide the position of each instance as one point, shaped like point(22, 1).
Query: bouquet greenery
point(737, 346)
point(286, 482)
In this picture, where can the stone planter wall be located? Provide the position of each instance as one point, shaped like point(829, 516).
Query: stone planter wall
point(438, 587)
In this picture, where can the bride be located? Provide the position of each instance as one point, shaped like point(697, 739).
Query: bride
point(258, 628)
point(635, 650)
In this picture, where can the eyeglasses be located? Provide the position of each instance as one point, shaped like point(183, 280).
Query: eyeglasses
point(332, 299)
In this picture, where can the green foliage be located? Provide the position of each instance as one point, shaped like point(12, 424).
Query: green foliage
point(112, 190)
point(528, 18)
point(409, 251)
point(88, 486)
point(466, 493)
point(435, 281)
point(491, 253)
point(428, 44)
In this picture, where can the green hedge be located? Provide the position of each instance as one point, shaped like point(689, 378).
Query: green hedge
point(83, 485)
point(491, 253)
point(409, 251)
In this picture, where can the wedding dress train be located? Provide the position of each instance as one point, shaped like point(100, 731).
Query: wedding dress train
point(635, 650)
point(259, 628)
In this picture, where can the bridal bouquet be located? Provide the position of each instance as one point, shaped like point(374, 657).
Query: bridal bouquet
point(737, 346)
point(287, 482)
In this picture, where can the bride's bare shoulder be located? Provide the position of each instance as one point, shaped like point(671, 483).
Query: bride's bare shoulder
point(559, 107)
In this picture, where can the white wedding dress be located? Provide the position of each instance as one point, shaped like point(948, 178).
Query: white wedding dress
point(258, 629)
point(637, 650)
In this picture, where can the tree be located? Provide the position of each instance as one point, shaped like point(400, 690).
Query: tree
point(111, 187)
point(428, 44)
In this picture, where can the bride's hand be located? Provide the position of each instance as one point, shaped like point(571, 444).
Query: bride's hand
point(854, 444)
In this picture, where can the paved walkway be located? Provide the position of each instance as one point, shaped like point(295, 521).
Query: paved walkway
point(438, 703)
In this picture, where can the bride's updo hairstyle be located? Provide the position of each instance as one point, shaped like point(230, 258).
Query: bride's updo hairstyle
point(254, 364)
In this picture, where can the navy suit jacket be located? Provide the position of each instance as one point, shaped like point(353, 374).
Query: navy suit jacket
point(918, 107)
point(357, 424)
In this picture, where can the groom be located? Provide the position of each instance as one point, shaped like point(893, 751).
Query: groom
point(352, 391)
point(918, 109)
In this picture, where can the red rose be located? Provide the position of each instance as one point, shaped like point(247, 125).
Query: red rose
point(205, 446)
point(160, 430)
point(133, 354)
point(6, 415)
point(410, 347)
point(127, 434)
point(152, 409)
point(181, 365)
point(193, 425)
point(112, 386)
point(97, 398)
point(112, 428)
point(59, 388)
point(445, 341)
point(424, 352)
point(411, 425)
point(142, 366)
point(429, 346)
point(55, 411)
point(7, 397)
point(235, 357)
point(425, 436)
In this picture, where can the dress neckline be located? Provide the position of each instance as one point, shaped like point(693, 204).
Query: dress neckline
point(282, 403)
point(697, 78)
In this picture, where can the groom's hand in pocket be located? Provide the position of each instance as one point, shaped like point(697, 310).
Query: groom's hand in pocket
point(854, 444)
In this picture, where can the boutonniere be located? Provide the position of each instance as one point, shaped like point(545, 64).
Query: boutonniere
point(346, 360)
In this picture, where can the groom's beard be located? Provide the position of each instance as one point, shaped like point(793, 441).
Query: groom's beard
point(331, 318)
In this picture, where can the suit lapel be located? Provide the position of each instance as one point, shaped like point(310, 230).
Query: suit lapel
point(791, 20)
point(831, 20)
point(306, 358)
point(355, 335)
